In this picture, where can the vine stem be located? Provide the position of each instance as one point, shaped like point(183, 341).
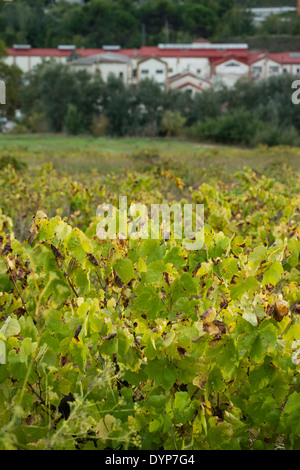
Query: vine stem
point(14, 282)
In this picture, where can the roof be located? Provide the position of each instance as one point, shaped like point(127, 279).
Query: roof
point(107, 57)
point(275, 10)
point(46, 52)
point(147, 51)
point(143, 52)
point(205, 45)
point(152, 57)
point(214, 55)
point(229, 57)
point(173, 78)
point(287, 57)
point(279, 57)
point(198, 87)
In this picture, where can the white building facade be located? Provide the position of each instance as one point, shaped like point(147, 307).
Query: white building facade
point(189, 82)
point(105, 63)
point(211, 63)
point(229, 70)
point(152, 68)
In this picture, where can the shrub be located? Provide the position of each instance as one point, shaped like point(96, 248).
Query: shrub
point(37, 122)
point(172, 123)
point(99, 126)
point(74, 120)
point(236, 127)
point(7, 160)
point(141, 344)
point(273, 135)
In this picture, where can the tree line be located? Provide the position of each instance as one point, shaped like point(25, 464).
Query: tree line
point(54, 98)
point(128, 23)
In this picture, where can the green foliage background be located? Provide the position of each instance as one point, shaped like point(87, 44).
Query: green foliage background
point(80, 103)
point(44, 23)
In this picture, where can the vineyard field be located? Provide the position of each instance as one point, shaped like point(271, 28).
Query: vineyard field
point(141, 344)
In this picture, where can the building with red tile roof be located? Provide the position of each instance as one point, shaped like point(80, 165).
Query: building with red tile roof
point(212, 62)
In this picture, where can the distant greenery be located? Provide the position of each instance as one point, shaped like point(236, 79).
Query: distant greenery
point(47, 24)
point(132, 24)
point(80, 103)
point(129, 23)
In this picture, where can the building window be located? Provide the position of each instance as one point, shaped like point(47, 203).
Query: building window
point(298, 70)
point(257, 68)
point(134, 73)
point(145, 71)
point(121, 74)
point(232, 64)
point(159, 71)
point(170, 70)
point(274, 69)
point(285, 70)
point(199, 71)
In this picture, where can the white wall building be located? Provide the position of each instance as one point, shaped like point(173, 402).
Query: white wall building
point(196, 65)
point(264, 68)
point(229, 70)
point(215, 63)
point(261, 14)
point(26, 58)
point(154, 69)
point(106, 63)
point(188, 82)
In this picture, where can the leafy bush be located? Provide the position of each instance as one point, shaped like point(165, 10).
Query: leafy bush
point(37, 122)
point(172, 123)
point(241, 126)
point(99, 126)
point(52, 88)
point(8, 160)
point(236, 127)
point(141, 344)
point(273, 135)
point(249, 113)
point(74, 120)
